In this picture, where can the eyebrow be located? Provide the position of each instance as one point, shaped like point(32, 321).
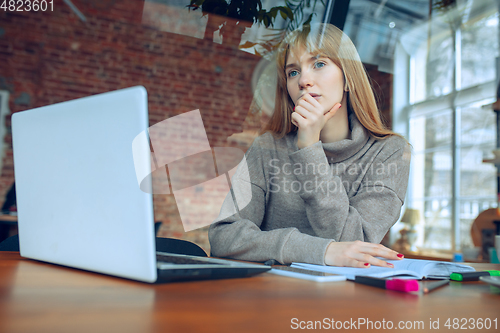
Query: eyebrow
point(310, 60)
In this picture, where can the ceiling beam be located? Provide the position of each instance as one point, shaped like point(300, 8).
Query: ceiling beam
point(339, 13)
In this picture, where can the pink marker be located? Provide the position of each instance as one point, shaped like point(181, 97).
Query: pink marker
point(405, 286)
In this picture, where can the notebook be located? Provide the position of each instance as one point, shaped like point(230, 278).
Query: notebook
point(405, 268)
point(78, 199)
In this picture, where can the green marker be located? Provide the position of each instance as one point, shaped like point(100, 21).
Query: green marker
point(472, 276)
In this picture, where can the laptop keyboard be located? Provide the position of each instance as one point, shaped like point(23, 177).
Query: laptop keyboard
point(182, 260)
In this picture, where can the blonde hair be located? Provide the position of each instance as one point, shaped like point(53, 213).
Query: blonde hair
point(328, 41)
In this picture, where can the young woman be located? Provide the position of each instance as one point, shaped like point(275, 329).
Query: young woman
point(326, 182)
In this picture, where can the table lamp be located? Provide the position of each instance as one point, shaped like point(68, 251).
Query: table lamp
point(411, 218)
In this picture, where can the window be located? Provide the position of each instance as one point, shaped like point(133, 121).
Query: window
point(449, 120)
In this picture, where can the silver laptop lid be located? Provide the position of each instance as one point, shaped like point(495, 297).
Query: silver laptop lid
point(79, 203)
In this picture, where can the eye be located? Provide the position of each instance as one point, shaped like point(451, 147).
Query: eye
point(292, 73)
point(319, 64)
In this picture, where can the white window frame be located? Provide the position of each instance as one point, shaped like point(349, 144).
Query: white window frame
point(404, 109)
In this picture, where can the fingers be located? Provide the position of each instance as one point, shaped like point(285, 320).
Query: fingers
point(307, 105)
point(372, 261)
point(297, 119)
point(306, 100)
point(366, 253)
point(360, 254)
point(302, 112)
point(359, 264)
point(305, 112)
point(381, 251)
point(308, 108)
point(333, 111)
point(372, 251)
point(355, 263)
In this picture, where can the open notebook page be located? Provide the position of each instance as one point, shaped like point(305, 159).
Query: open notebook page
point(414, 268)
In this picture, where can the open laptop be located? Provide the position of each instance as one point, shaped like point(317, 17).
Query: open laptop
point(78, 200)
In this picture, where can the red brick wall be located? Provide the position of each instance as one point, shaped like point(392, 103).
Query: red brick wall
point(382, 86)
point(54, 57)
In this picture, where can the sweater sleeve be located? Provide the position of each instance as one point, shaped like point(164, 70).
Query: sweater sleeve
point(236, 233)
point(373, 204)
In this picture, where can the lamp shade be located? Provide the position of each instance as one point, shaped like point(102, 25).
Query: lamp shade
point(411, 216)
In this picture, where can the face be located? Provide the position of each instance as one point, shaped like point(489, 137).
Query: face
point(318, 76)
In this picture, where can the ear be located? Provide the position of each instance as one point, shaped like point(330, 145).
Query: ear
point(346, 86)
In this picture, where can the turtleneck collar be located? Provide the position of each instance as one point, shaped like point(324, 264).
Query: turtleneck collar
point(341, 150)
point(344, 149)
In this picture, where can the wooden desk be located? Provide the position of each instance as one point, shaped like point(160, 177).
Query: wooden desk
point(38, 297)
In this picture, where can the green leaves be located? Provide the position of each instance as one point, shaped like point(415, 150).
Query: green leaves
point(247, 10)
point(268, 17)
point(285, 12)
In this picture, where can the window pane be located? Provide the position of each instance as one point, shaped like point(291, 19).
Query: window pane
point(440, 64)
point(431, 174)
point(431, 131)
point(479, 49)
point(477, 178)
point(478, 126)
point(437, 224)
point(434, 231)
point(469, 210)
point(431, 49)
point(418, 76)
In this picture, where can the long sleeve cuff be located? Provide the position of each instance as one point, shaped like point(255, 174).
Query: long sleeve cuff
point(311, 154)
point(305, 248)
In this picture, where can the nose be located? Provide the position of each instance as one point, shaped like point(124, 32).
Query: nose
point(305, 80)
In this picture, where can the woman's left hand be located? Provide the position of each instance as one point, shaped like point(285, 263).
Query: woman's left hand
point(359, 254)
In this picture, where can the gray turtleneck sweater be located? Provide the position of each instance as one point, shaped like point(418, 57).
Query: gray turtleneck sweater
point(299, 201)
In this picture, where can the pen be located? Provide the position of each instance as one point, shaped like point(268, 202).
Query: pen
point(394, 284)
point(472, 276)
point(431, 285)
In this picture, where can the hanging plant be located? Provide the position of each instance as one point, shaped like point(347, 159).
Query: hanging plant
point(233, 17)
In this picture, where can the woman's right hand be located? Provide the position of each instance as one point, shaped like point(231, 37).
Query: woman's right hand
point(310, 119)
point(359, 254)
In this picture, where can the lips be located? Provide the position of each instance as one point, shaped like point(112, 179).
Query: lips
point(314, 95)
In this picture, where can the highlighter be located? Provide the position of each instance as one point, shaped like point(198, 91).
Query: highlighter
point(394, 284)
point(472, 276)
